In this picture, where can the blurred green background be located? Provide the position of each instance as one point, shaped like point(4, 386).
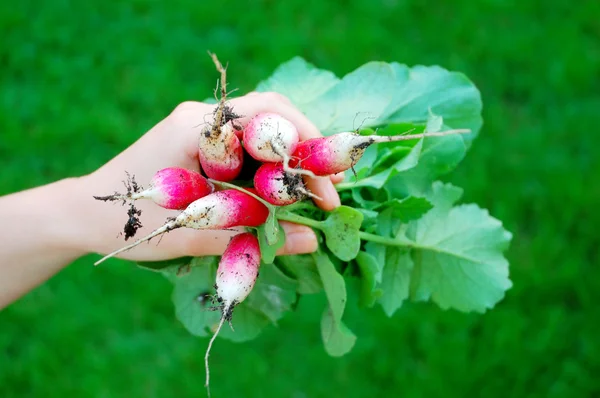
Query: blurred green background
point(80, 80)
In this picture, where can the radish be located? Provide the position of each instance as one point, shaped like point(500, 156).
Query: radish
point(339, 152)
point(279, 187)
point(236, 275)
point(172, 188)
point(220, 152)
point(219, 148)
point(219, 210)
point(237, 271)
point(269, 137)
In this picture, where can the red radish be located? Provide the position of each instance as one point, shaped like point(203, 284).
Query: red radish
point(269, 137)
point(220, 152)
point(219, 210)
point(339, 152)
point(277, 186)
point(237, 272)
point(236, 275)
point(172, 188)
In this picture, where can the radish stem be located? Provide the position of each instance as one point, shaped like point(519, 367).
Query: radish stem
point(232, 186)
point(297, 219)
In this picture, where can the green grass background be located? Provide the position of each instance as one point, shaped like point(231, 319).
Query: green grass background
point(80, 80)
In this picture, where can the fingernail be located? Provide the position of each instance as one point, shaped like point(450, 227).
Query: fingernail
point(300, 243)
point(339, 176)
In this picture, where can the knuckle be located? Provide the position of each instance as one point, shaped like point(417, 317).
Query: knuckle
point(188, 112)
point(187, 106)
point(272, 96)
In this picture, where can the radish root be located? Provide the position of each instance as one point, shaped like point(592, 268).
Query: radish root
point(206, 356)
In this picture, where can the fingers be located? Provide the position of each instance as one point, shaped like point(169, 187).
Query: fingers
point(323, 188)
point(337, 178)
point(299, 239)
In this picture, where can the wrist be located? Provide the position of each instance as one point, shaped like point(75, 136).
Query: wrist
point(90, 221)
point(67, 210)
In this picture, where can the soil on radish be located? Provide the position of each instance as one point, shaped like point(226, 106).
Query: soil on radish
point(131, 186)
point(358, 150)
point(133, 223)
point(228, 114)
point(292, 182)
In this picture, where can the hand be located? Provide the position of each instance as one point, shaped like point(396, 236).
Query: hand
point(173, 142)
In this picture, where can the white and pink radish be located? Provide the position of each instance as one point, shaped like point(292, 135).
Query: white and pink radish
point(219, 148)
point(339, 152)
point(236, 276)
point(237, 271)
point(219, 210)
point(279, 187)
point(221, 153)
point(172, 188)
point(269, 137)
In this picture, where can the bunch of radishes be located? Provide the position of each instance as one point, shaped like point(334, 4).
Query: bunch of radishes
point(274, 142)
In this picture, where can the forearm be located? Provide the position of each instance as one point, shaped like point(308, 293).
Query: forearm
point(39, 236)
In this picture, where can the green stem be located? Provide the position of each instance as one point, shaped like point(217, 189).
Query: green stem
point(285, 215)
point(342, 186)
point(295, 218)
point(231, 186)
point(301, 205)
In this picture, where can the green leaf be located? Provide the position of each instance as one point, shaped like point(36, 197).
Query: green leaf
point(434, 122)
point(273, 294)
point(341, 231)
point(336, 337)
point(300, 81)
point(439, 156)
point(393, 263)
point(176, 266)
point(192, 312)
point(304, 269)
point(423, 88)
point(369, 269)
point(247, 322)
point(459, 262)
point(444, 195)
point(395, 280)
point(333, 283)
point(389, 159)
point(271, 229)
point(366, 91)
point(384, 93)
point(407, 209)
point(267, 251)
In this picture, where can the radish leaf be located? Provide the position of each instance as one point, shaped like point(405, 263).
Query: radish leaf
point(369, 268)
point(304, 270)
point(337, 338)
point(341, 231)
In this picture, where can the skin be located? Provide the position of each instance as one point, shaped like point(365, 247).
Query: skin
point(53, 225)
